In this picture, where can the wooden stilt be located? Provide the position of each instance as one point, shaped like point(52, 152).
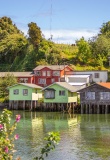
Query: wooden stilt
point(82, 109)
point(9, 104)
point(103, 107)
point(31, 105)
point(98, 111)
point(24, 105)
point(86, 108)
point(106, 109)
point(89, 109)
point(73, 108)
point(17, 105)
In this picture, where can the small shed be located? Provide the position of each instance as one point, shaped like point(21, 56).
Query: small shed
point(24, 96)
point(60, 96)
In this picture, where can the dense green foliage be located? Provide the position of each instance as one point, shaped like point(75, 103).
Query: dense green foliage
point(7, 135)
point(23, 53)
point(9, 80)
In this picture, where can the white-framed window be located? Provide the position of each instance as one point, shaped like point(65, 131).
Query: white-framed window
point(43, 73)
point(56, 73)
point(41, 81)
point(53, 80)
point(23, 80)
point(38, 73)
point(49, 94)
point(25, 92)
point(62, 93)
point(48, 73)
point(90, 95)
point(16, 91)
point(104, 95)
point(96, 75)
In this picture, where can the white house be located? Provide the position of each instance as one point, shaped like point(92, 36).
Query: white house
point(95, 75)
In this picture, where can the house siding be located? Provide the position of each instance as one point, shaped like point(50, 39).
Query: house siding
point(20, 96)
point(61, 99)
point(58, 99)
point(97, 89)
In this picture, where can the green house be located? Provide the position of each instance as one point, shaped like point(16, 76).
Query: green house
point(24, 95)
point(61, 95)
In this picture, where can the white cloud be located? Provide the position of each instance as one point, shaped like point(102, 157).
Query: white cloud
point(66, 36)
point(69, 36)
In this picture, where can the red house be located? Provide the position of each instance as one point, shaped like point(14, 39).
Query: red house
point(46, 75)
point(22, 77)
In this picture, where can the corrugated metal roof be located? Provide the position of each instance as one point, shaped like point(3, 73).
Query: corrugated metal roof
point(17, 74)
point(52, 67)
point(105, 84)
point(64, 85)
point(67, 86)
point(28, 85)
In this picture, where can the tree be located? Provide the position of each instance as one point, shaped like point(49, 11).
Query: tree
point(12, 41)
point(5, 82)
point(35, 34)
point(84, 52)
point(100, 49)
point(105, 29)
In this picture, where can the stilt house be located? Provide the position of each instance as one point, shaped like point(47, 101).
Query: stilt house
point(60, 96)
point(95, 99)
point(24, 96)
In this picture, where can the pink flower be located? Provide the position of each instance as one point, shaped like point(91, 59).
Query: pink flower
point(18, 118)
point(16, 136)
point(6, 149)
point(1, 126)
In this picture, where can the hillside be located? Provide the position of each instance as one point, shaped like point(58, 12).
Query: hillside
point(20, 53)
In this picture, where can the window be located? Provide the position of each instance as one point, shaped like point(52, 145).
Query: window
point(43, 73)
point(38, 73)
point(41, 81)
point(52, 80)
point(90, 95)
point(61, 93)
point(23, 80)
point(56, 73)
point(49, 94)
point(16, 91)
point(25, 92)
point(104, 95)
point(96, 75)
point(48, 73)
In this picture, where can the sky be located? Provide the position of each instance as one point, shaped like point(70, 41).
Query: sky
point(64, 20)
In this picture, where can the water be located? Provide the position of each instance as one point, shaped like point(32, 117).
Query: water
point(83, 137)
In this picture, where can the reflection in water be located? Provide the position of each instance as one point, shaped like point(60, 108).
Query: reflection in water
point(83, 137)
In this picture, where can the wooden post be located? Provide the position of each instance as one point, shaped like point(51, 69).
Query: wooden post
point(106, 109)
point(12, 104)
point(73, 108)
point(9, 104)
point(81, 108)
point(31, 105)
point(24, 105)
point(16, 104)
point(102, 109)
point(98, 111)
point(86, 108)
point(35, 104)
point(90, 109)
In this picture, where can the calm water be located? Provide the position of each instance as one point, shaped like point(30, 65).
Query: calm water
point(83, 137)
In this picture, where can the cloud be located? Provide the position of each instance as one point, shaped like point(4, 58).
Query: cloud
point(69, 36)
point(65, 36)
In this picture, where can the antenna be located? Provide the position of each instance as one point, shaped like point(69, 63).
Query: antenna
point(51, 36)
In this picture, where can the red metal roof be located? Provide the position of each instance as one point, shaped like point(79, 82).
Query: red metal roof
point(105, 84)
